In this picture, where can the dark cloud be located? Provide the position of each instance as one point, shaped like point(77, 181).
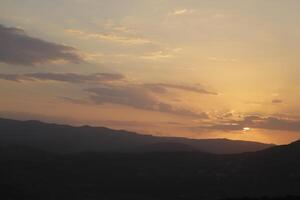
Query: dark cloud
point(277, 101)
point(15, 77)
point(162, 88)
point(268, 123)
point(113, 89)
point(278, 124)
point(19, 48)
point(159, 88)
point(137, 97)
point(63, 77)
point(74, 100)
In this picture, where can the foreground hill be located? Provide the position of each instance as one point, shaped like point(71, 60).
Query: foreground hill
point(29, 173)
point(69, 139)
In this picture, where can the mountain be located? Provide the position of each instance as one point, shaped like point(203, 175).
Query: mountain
point(273, 172)
point(69, 139)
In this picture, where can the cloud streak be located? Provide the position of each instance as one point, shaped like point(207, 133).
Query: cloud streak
point(181, 12)
point(112, 88)
point(64, 77)
point(111, 37)
point(277, 101)
point(19, 48)
point(162, 88)
point(159, 88)
point(136, 97)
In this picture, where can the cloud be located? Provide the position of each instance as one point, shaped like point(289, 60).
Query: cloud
point(111, 37)
point(181, 12)
point(256, 122)
point(165, 53)
point(274, 123)
point(19, 48)
point(64, 77)
point(265, 103)
point(277, 101)
point(162, 88)
point(136, 96)
point(157, 55)
point(73, 100)
point(159, 88)
point(115, 89)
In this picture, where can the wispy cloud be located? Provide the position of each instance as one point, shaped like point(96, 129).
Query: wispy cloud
point(63, 77)
point(161, 87)
point(109, 88)
point(96, 78)
point(161, 54)
point(277, 101)
point(182, 12)
point(157, 55)
point(137, 97)
point(111, 37)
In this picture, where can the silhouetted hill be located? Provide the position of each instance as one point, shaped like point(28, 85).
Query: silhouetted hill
point(273, 172)
point(69, 139)
point(269, 198)
point(166, 147)
point(292, 149)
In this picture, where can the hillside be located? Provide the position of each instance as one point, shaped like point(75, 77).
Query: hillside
point(29, 173)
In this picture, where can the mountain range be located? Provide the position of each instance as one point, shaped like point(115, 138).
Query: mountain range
point(70, 139)
point(36, 168)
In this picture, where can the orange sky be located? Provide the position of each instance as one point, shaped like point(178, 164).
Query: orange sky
point(200, 69)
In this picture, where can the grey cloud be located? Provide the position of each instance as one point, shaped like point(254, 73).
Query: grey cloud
point(73, 100)
point(136, 97)
point(19, 48)
point(162, 88)
point(15, 77)
point(277, 101)
point(279, 124)
point(159, 88)
point(113, 88)
point(63, 77)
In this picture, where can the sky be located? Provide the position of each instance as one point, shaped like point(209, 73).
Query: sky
point(193, 68)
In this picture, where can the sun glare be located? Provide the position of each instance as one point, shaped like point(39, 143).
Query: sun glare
point(246, 129)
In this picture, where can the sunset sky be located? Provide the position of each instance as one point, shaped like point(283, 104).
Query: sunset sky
point(192, 68)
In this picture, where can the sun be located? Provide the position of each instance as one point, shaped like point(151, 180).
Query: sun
point(246, 129)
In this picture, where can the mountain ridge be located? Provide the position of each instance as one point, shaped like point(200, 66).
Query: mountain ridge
point(68, 139)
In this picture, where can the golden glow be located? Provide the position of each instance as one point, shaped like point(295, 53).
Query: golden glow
point(246, 129)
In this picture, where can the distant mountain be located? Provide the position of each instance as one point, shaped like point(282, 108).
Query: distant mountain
point(69, 139)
